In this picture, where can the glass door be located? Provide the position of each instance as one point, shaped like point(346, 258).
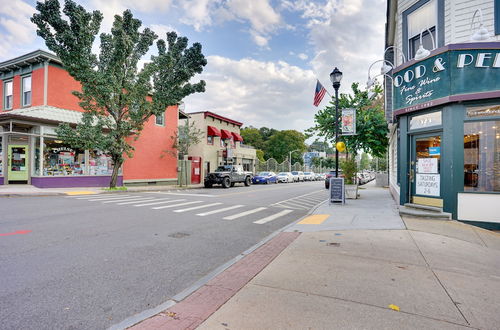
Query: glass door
point(425, 169)
point(18, 163)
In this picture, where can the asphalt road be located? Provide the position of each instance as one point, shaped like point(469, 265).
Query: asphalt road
point(88, 262)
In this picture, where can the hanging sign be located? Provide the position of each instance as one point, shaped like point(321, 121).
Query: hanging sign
point(428, 184)
point(348, 121)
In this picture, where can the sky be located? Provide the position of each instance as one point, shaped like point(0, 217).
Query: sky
point(264, 56)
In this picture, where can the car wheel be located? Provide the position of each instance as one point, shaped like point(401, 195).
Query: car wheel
point(247, 181)
point(276, 181)
point(267, 182)
point(232, 184)
point(208, 185)
point(226, 182)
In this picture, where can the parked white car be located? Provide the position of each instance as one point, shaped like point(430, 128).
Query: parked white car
point(309, 176)
point(298, 176)
point(285, 177)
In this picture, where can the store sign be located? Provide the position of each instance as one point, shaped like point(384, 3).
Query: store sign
point(427, 165)
point(434, 151)
point(348, 121)
point(454, 75)
point(428, 184)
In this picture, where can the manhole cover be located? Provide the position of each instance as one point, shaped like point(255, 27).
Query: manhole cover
point(178, 235)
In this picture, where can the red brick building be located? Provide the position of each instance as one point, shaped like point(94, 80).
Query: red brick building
point(35, 94)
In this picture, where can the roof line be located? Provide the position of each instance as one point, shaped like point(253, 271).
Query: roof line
point(30, 57)
point(216, 116)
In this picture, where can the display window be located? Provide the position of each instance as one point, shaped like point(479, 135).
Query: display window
point(100, 163)
point(482, 156)
point(60, 159)
point(1, 157)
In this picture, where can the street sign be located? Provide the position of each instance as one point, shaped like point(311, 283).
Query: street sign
point(337, 190)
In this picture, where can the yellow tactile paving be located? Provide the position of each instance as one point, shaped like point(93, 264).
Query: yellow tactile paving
point(316, 219)
point(81, 193)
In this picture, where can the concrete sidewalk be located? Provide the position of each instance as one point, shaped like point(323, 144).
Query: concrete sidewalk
point(13, 190)
point(362, 267)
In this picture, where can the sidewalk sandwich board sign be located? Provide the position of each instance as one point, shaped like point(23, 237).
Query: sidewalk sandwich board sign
point(337, 190)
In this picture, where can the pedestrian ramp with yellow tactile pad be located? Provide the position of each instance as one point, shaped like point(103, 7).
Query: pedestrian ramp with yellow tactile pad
point(316, 219)
point(71, 193)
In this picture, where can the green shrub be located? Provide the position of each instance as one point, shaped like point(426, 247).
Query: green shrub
point(349, 169)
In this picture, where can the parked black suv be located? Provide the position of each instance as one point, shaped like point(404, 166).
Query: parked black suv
point(227, 176)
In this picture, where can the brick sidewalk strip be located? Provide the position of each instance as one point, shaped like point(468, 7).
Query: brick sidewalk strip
point(195, 309)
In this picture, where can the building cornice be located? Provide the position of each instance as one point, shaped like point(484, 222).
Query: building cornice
point(34, 57)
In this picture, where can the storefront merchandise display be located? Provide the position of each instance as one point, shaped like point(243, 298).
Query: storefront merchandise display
point(62, 160)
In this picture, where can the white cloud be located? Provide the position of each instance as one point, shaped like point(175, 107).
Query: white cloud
point(19, 31)
point(161, 30)
point(303, 56)
point(272, 94)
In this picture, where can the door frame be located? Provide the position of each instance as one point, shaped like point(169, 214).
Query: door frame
point(424, 200)
point(10, 173)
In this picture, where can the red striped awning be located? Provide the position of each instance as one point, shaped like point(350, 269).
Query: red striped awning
point(225, 134)
point(237, 137)
point(213, 131)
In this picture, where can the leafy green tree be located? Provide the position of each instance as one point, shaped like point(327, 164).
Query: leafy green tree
point(364, 162)
point(252, 136)
point(371, 126)
point(266, 133)
point(282, 142)
point(260, 155)
point(117, 97)
point(187, 135)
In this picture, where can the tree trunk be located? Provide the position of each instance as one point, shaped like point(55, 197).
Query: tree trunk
point(114, 177)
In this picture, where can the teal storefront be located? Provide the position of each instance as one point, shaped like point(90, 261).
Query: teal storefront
point(447, 108)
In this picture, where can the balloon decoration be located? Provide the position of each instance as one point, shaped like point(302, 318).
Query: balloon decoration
point(340, 146)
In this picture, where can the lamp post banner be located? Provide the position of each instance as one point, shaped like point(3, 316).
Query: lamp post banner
point(348, 121)
point(457, 73)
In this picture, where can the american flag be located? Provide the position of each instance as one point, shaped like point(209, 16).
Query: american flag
point(319, 94)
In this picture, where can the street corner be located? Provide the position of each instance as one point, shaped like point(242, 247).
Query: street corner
point(83, 192)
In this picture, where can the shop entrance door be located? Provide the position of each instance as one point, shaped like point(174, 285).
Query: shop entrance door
point(425, 169)
point(18, 163)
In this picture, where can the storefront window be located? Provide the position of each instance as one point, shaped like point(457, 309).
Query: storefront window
point(1, 157)
point(36, 165)
point(59, 159)
point(482, 156)
point(100, 163)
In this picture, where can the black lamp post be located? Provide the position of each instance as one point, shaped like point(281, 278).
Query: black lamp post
point(336, 77)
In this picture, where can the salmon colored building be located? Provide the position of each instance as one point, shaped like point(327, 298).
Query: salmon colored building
point(36, 96)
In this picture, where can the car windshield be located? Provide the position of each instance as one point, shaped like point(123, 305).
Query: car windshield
point(263, 173)
point(307, 173)
point(282, 173)
point(295, 173)
point(226, 168)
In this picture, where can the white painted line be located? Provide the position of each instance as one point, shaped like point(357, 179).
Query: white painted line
point(197, 207)
point(295, 207)
point(164, 201)
point(110, 198)
point(273, 217)
point(122, 200)
point(220, 210)
point(180, 194)
point(138, 201)
point(103, 196)
point(175, 205)
point(314, 192)
point(242, 214)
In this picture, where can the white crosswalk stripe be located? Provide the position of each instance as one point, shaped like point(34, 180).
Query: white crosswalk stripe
point(242, 214)
point(109, 198)
point(273, 217)
point(161, 201)
point(175, 205)
point(138, 201)
point(220, 210)
point(196, 207)
point(122, 200)
point(96, 196)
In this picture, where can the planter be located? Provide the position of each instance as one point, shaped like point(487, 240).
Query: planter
point(351, 191)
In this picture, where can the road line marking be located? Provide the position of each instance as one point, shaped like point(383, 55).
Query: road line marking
point(126, 199)
point(273, 217)
point(220, 210)
point(314, 192)
point(197, 207)
point(163, 202)
point(138, 201)
point(300, 203)
point(78, 193)
point(110, 198)
point(242, 214)
point(180, 194)
point(175, 205)
point(17, 232)
point(100, 196)
point(316, 219)
point(312, 199)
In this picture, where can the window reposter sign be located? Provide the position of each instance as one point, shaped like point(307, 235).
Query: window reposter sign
point(348, 121)
point(458, 74)
point(428, 184)
point(427, 165)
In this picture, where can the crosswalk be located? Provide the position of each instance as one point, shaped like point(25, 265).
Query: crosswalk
point(303, 202)
point(202, 208)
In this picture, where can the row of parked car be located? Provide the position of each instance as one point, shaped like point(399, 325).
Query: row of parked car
point(362, 177)
point(286, 177)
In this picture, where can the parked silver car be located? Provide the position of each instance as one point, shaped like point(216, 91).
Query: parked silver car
point(285, 177)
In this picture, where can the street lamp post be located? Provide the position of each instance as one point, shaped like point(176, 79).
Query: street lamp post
point(336, 77)
point(290, 159)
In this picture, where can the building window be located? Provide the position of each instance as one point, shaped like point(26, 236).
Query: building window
point(210, 140)
point(160, 119)
point(426, 16)
point(26, 91)
point(482, 156)
point(7, 101)
point(233, 144)
point(100, 163)
point(222, 143)
point(60, 159)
